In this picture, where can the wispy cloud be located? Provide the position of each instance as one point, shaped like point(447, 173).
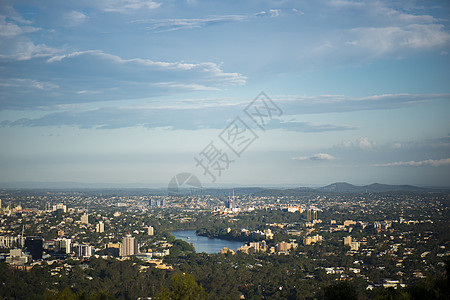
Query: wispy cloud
point(187, 87)
point(128, 6)
point(165, 25)
point(381, 29)
point(362, 143)
point(421, 163)
point(115, 78)
point(307, 126)
point(14, 41)
point(213, 70)
point(24, 83)
point(386, 40)
point(315, 157)
point(12, 28)
point(340, 103)
point(176, 115)
point(74, 18)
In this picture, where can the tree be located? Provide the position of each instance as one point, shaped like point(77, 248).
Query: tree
point(340, 291)
point(183, 287)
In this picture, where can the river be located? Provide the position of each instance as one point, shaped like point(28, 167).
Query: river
point(205, 244)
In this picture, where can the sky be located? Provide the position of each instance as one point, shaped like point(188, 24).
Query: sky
point(243, 93)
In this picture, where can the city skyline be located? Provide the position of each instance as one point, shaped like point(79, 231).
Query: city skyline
point(132, 93)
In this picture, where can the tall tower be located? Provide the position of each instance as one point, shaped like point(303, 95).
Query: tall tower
point(129, 246)
point(34, 245)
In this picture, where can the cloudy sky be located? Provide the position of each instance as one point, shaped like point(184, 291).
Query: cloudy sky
point(134, 92)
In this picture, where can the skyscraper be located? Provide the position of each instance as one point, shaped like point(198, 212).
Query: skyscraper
point(84, 250)
point(348, 241)
point(129, 246)
point(150, 230)
point(100, 227)
point(85, 218)
point(33, 244)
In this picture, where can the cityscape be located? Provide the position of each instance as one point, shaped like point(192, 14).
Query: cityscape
point(307, 241)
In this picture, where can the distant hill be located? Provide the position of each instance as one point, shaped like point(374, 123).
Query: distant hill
point(344, 187)
point(341, 187)
point(142, 189)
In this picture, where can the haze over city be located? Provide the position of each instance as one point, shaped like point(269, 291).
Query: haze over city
point(131, 92)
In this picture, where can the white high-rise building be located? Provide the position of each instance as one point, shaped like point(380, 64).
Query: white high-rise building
point(85, 218)
point(64, 245)
point(100, 227)
point(84, 251)
point(150, 230)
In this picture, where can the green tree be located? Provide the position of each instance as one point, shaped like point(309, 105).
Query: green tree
point(340, 291)
point(183, 287)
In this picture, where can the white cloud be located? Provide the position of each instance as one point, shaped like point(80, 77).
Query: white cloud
point(14, 42)
point(28, 83)
point(189, 87)
point(215, 73)
point(127, 6)
point(11, 29)
point(421, 163)
point(274, 13)
point(74, 18)
point(318, 156)
point(386, 40)
point(165, 25)
point(383, 29)
point(293, 104)
point(364, 143)
point(25, 49)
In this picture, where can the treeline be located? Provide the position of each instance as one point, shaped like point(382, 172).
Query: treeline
point(202, 276)
point(95, 279)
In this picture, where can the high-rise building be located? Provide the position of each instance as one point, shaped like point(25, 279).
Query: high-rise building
point(64, 245)
point(59, 206)
point(85, 218)
point(100, 227)
point(156, 202)
point(84, 250)
point(348, 241)
point(150, 230)
point(33, 244)
point(255, 245)
point(129, 246)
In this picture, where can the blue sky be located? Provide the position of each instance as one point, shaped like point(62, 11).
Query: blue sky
point(131, 92)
